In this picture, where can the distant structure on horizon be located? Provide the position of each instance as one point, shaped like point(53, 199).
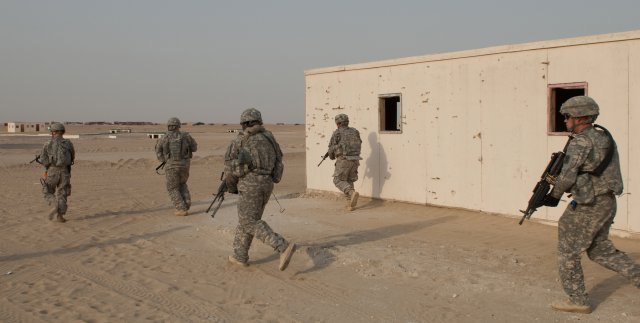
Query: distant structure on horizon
point(32, 127)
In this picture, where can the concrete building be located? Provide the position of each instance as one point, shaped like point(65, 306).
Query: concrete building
point(475, 129)
point(33, 127)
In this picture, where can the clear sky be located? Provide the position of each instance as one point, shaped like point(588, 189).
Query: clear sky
point(148, 60)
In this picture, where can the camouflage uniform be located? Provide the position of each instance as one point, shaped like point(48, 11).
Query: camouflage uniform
point(57, 156)
point(176, 148)
point(344, 147)
point(251, 162)
point(584, 225)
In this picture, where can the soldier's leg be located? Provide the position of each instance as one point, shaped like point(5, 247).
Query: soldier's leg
point(62, 192)
point(352, 177)
point(341, 177)
point(603, 252)
point(49, 188)
point(573, 239)
point(252, 204)
point(49, 185)
point(173, 188)
point(241, 243)
point(184, 189)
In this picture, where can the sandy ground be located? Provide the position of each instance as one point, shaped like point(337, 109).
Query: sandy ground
point(124, 257)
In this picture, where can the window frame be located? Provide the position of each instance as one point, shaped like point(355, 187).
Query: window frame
point(553, 111)
point(382, 113)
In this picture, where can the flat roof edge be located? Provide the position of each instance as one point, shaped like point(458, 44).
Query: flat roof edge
point(539, 45)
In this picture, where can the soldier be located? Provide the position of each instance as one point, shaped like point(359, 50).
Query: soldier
point(253, 163)
point(57, 156)
point(176, 149)
point(345, 146)
point(591, 172)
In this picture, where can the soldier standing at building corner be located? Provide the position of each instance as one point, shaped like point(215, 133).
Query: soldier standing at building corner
point(253, 163)
point(344, 147)
point(591, 172)
point(57, 156)
point(176, 149)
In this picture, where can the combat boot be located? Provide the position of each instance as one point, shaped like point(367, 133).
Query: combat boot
point(568, 306)
point(53, 212)
point(353, 201)
point(181, 213)
point(235, 261)
point(285, 256)
point(61, 219)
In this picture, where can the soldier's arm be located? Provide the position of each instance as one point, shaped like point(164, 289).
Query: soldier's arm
point(193, 145)
point(44, 155)
point(229, 178)
point(577, 153)
point(73, 152)
point(333, 143)
point(159, 149)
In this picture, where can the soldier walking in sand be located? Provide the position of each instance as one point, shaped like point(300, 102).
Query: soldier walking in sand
point(57, 156)
point(176, 149)
point(591, 172)
point(253, 163)
point(344, 147)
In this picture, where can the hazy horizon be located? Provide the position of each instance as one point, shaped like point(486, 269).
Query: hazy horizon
point(207, 61)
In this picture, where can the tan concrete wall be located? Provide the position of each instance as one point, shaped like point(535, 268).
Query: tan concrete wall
point(475, 122)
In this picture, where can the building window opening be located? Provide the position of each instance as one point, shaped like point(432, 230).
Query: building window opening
point(390, 113)
point(558, 94)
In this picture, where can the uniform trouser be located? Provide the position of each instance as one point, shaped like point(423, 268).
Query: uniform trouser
point(345, 174)
point(586, 228)
point(177, 187)
point(254, 191)
point(56, 188)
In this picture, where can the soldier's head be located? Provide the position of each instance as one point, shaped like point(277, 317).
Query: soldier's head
point(56, 128)
point(579, 112)
point(342, 120)
point(250, 117)
point(173, 124)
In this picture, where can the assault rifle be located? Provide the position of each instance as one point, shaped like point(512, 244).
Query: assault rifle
point(219, 196)
point(161, 166)
point(37, 160)
point(547, 179)
point(323, 158)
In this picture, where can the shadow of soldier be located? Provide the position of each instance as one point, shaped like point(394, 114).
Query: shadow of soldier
point(376, 170)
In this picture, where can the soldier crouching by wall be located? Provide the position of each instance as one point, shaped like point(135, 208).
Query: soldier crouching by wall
point(344, 147)
point(57, 156)
point(176, 149)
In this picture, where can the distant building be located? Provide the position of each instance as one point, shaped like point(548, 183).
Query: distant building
point(32, 127)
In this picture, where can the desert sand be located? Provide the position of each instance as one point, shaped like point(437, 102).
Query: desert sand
point(124, 257)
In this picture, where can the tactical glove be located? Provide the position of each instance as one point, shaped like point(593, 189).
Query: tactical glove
point(550, 201)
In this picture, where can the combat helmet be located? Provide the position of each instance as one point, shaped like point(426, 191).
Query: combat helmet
point(173, 122)
point(249, 115)
point(56, 126)
point(342, 118)
point(580, 106)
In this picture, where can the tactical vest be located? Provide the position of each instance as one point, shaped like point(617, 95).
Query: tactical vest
point(60, 153)
point(350, 143)
point(175, 148)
